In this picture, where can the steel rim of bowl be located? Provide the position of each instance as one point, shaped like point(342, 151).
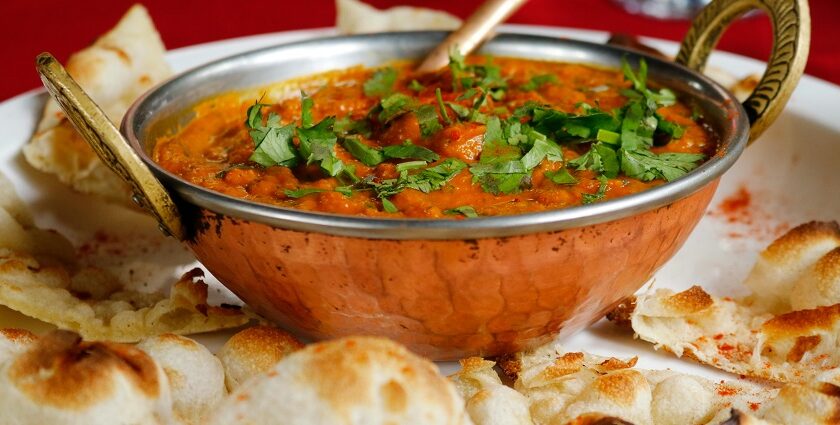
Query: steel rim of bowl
point(732, 142)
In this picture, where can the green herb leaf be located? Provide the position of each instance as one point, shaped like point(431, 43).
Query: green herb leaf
point(542, 149)
point(672, 129)
point(638, 127)
point(345, 126)
point(441, 106)
point(394, 106)
point(299, 193)
point(427, 117)
point(410, 151)
point(538, 81)
point(389, 206)
point(367, 155)
point(561, 176)
point(507, 176)
point(466, 211)
point(427, 180)
point(381, 83)
point(600, 158)
point(416, 86)
point(645, 165)
point(589, 198)
point(273, 143)
point(410, 165)
point(317, 145)
point(276, 148)
point(460, 110)
point(607, 136)
point(306, 105)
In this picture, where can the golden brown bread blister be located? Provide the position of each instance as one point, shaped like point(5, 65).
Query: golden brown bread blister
point(62, 380)
point(254, 351)
point(114, 71)
point(355, 380)
point(788, 330)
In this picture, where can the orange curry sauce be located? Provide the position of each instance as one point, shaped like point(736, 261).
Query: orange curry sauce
point(213, 150)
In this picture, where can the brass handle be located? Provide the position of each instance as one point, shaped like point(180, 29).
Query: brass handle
point(108, 143)
point(791, 39)
point(472, 32)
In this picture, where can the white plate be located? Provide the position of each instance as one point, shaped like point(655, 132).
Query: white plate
point(788, 186)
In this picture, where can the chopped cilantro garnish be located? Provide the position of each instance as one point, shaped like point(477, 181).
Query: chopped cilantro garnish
point(300, 193)
point(317, 145)
point(410, 165)
point(306, 105)
point(561, 176)
point(416, 86)
point(427, 117)
point(607, 136)
point(410, 151)
point(367, 155)
point(538, 81)
point(589, 198)
point(395, 105)
point(381, 82)
point(466, 211)
point(345, 125)
point(427, 180)
point(441, 106)
point(273, 142)
point(600, 158)
point(646, 165)
point(389, 206)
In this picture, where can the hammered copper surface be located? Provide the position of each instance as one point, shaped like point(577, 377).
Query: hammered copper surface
point(445, 299)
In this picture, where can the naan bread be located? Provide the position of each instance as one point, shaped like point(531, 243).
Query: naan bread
point(356, 17)
point(62, 380)
point(119, 67)
point(579, 388)
point(39, 277)
point(357, 380)
point(488, 400)
point(254, 351)
point(573, 387)
point(195, 375)
point(788, 330)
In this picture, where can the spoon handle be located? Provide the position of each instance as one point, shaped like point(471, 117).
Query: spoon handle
point(472, 32)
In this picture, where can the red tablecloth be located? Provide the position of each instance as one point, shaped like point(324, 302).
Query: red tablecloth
point(60, 26)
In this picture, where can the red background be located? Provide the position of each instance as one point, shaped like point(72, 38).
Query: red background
point(61, 27)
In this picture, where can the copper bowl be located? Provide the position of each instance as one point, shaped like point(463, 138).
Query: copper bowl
point(445, 288)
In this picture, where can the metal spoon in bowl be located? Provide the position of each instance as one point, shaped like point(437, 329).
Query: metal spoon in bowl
point(477, 28)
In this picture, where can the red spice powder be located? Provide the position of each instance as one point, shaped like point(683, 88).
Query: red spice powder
point(736, 207)
point(754, 406)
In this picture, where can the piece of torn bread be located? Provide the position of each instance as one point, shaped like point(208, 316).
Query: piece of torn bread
point(119, 67)
point(254, 351)
point(355, 380)
point(62, 380)
point(40, 278)
point(788, 330)
point(357, 17)
point(561, 387)
point(195, 375)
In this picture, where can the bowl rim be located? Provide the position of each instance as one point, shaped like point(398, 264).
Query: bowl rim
point(729, 149)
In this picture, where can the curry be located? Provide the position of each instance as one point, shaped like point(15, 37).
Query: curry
point(485, 137)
